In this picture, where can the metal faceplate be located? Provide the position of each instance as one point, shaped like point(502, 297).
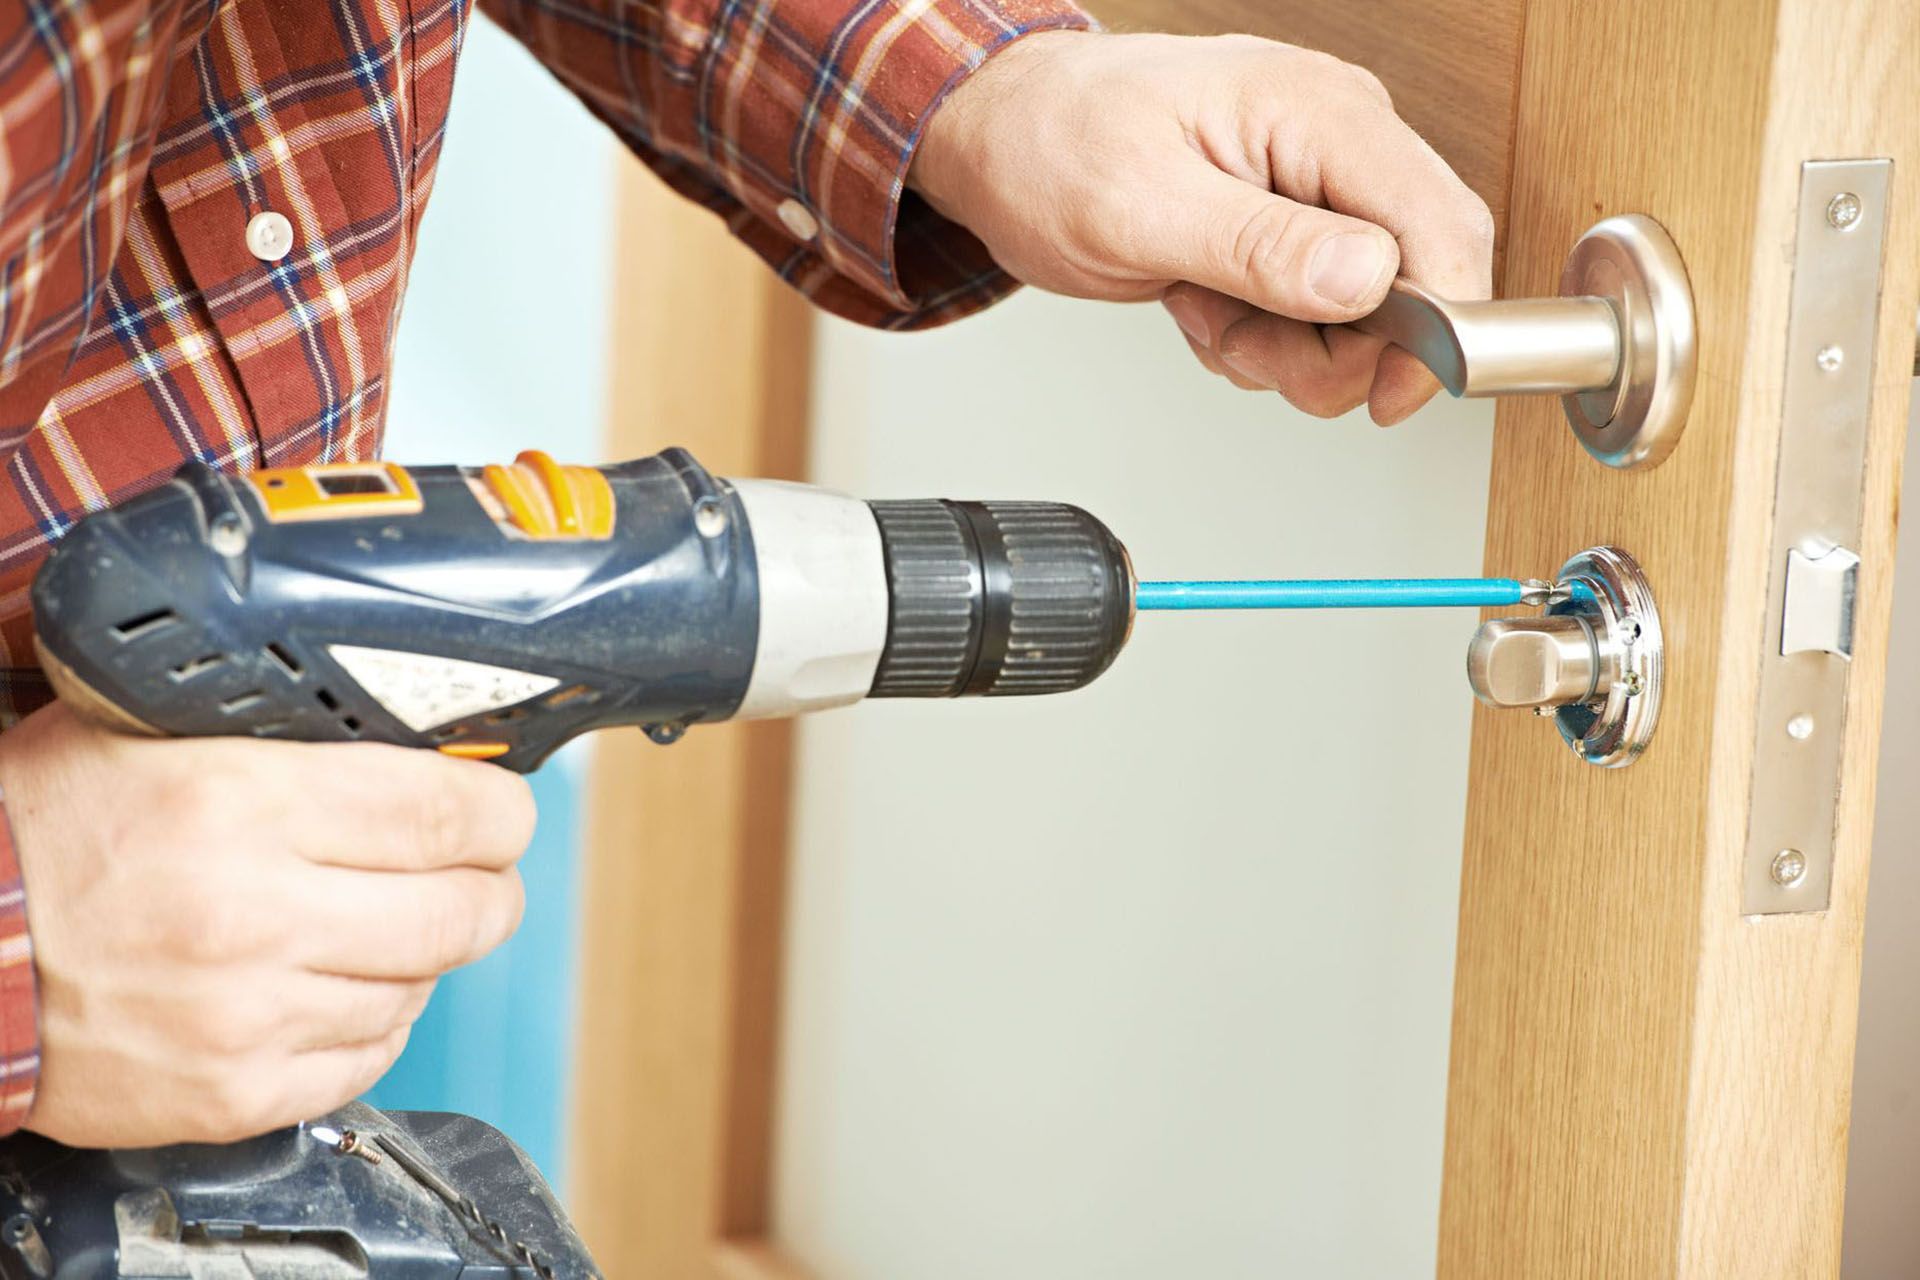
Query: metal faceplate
point(1806, 645)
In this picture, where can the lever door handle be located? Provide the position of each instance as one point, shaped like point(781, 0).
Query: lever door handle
point(1617, 345)
point(1545, 346)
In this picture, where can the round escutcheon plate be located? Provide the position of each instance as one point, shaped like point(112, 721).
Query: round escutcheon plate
point(1620, 606)
point(1632, 262)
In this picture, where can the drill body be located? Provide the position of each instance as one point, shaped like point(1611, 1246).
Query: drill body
point(497, 612)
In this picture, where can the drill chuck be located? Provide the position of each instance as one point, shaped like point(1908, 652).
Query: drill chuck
point(998, 598)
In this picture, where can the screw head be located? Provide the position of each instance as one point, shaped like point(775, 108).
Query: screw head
point(1789, 868)
point(710, 518)
point(1843, 211)
point(1800, 727)
point(1829, 358)
point(226, 537)
point(1633, 684)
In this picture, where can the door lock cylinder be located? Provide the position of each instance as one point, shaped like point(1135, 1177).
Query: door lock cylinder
point(1592, 662)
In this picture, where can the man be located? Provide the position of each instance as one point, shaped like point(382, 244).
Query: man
point(207, 209)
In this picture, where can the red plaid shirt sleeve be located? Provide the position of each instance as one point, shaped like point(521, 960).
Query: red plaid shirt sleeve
point(795, 120)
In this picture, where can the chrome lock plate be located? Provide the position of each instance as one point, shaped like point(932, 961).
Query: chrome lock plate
point(1593, 661)
point(1806, 644)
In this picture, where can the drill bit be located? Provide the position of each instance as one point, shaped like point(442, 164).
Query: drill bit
point(1356, 593)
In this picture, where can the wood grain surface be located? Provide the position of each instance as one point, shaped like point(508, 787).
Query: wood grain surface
point(1645, 1083)
point(1451, 65)
point(684, 883)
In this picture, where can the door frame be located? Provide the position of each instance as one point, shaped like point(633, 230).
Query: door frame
point(684, 875)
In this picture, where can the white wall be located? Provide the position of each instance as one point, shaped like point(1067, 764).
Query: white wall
point(503, 344)
point(1154, 979)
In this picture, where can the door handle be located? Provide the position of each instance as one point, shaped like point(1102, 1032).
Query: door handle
point(1617, 345)
point(1529, 346)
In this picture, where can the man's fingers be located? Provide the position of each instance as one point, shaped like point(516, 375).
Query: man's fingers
point(405, 925)
point(1400, 385)
point(1323, 372)
point(395, 808)
point(1203, 316)
point(1370, 163)
point(1212, 364)
point(1275, 253)
point(330, 1012)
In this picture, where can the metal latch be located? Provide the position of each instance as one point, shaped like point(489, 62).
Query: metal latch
point(1817, 612)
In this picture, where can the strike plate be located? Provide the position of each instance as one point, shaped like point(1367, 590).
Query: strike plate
point(1806, 653)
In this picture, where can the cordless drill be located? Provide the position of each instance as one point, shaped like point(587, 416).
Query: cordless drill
point(496, 612)
point(493, 613)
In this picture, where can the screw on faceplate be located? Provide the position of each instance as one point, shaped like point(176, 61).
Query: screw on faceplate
point(1843, 211)
point(1829, 358)
point(1633, 684)
point(1789, 868)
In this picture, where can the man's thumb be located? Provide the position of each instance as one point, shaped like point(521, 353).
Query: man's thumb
point(1288, 258)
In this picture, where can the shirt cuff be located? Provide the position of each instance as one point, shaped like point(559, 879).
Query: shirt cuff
point(837, 98)
point(19, 1006)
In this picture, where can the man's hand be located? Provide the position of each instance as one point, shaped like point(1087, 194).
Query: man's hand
point(1258, 189)
point(233, 935)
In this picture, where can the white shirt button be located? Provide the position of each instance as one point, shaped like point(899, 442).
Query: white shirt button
point(269, 236)
point(797, 219)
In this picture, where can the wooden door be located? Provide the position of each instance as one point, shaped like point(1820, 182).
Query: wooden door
point(1646, 1079)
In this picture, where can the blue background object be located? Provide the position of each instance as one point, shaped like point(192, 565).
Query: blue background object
point(495, 1041)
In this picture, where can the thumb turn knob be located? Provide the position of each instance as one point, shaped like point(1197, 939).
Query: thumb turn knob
point(1537, 662)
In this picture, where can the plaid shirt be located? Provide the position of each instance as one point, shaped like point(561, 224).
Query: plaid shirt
point(207, 210)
